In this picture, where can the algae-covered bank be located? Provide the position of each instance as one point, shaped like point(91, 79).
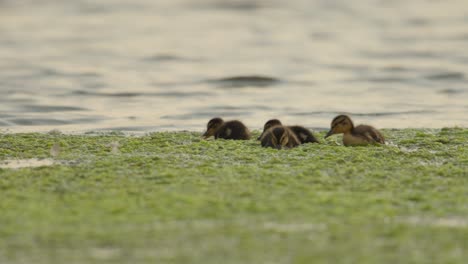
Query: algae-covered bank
point(174, 198)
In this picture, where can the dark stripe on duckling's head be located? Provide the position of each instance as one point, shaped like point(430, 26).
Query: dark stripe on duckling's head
point(278, 132)
point(340, 124)
point(284, 140)
point(212, 126)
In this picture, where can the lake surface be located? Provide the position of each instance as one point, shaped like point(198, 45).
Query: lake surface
point(161, 65)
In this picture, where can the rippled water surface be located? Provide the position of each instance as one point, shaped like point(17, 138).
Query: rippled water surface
point(145, 65)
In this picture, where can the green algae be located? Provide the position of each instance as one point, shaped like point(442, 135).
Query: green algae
point(174, 198)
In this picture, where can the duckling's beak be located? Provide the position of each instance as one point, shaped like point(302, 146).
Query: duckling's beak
point(329, 133)
point(208, 133)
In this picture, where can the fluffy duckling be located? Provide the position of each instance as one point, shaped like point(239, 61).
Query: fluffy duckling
point(302, 133)
point(279, 137)
point(352, 136)
point(228, 130)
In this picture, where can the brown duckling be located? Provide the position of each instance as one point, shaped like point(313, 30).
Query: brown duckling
point(279, 137)
point(302, 133)
point(228, 130)
point(359, 135)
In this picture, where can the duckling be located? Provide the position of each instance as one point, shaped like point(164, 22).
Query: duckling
point(302, 133)
point(359, 135)
point(279, 137)
point(228, 130)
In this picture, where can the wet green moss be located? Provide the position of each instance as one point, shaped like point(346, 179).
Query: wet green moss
point(174, 198)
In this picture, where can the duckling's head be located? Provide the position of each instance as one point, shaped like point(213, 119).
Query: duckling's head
point(212, 126)
point(340, 124)
point(269, 124)
point(280, 137)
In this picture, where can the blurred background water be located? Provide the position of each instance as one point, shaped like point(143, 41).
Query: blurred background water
point(146, 65)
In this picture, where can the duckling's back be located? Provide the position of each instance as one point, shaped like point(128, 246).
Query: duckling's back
point(371, 134)
point(233, 130)
point(303, 134)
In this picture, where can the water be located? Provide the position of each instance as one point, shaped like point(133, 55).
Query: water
point(150, 65)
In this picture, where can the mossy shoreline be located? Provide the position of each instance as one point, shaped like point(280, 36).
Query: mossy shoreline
point(174, 198)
